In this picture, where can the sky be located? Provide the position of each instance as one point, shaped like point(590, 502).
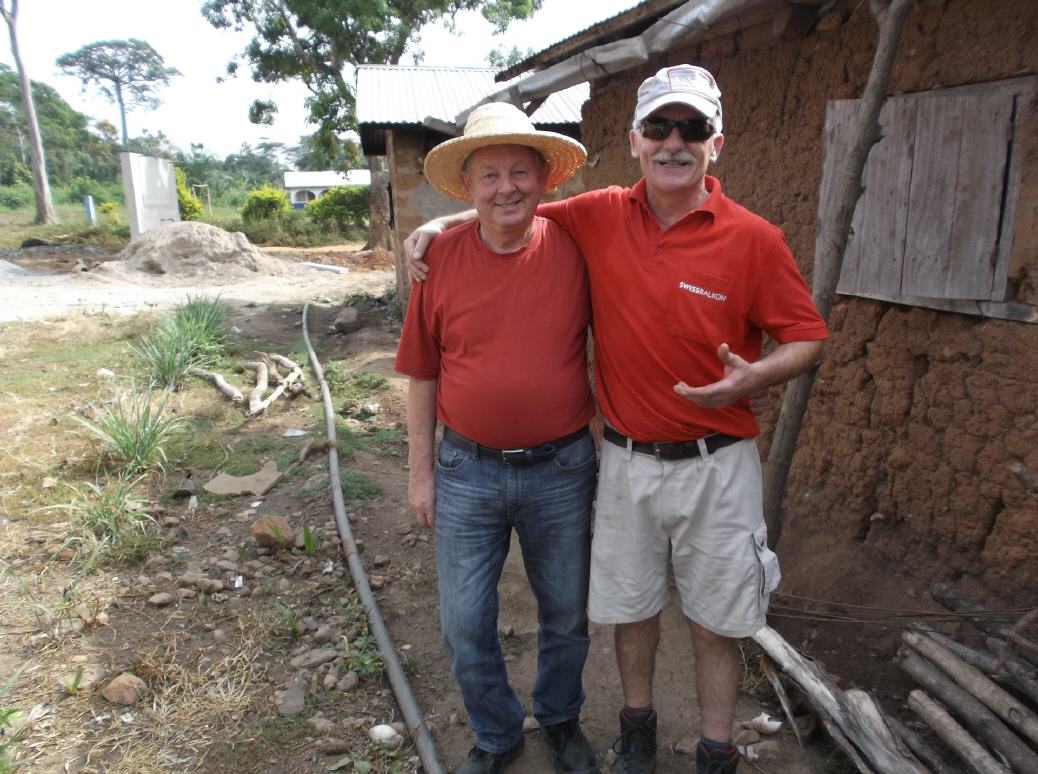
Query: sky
point(197, 109)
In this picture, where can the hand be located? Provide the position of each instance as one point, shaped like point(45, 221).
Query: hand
point(415, 246)
point(421, 494)
point(760, 400)
point(738, 382)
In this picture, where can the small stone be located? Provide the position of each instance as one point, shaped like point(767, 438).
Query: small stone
point(187, 593)
point(324, 633)
point(189, 578)
point(347, 682)
point(272, 531)
point(164, 577)
point(126, 689)
point(209, 585)
point(322, 725)
point(171, 521)
point(377, 582)
point(458, 719)
point(292, 700)
point(530, 724)
point(380, 560)
point(405, 529)
point(91, 675)
point(217, 597)
point(219, 635)
point(84, 613)
point(333, 744)
point(67, 554)
point(160, 600)
point(143, 580)
point(506, 631)
point(330, 680)
point(314, 658)
point(347, 320)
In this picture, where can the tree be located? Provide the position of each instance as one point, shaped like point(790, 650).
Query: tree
point(127, 72)
point(41, 188)
point(502, 59)
point(316, 40)
point(324, 150)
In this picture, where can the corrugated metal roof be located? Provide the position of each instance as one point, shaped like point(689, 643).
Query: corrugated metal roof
point(407, 94)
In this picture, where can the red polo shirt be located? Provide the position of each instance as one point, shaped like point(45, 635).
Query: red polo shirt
point(664, 300)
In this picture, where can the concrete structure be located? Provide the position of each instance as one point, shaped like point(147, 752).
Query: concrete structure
point(150, 187)
point(303, 187)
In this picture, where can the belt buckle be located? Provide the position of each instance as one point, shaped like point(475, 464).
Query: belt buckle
point(657, 450)
point(511, 456)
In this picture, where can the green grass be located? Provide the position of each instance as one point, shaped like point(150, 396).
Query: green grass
point(356, 487)
point(103, 522)
point(17, 225)
point(132, 429)
point(346, 384)
point(192, 335)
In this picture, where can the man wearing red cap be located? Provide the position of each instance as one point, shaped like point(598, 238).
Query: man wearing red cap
point(684, 282)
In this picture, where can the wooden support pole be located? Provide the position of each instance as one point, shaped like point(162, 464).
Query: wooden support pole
point(964, 745)
point(923, 750)
point(973, 680)
point(832, 242)
point(977, 718)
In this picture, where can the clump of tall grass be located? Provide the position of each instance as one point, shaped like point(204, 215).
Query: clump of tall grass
point(193, 335)
point(133, 430)
point(105, 522)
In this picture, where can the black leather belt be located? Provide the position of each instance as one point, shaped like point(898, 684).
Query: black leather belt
point(670, 450)
point(519, 457)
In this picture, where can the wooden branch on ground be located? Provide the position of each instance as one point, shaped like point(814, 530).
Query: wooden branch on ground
point(768, 668)
point(286, 382)
point(977, 718)
point(922, 749)
point(229, 390)
point(854, 712)
point(256, 396)
point(973, 680)
point(964, 745)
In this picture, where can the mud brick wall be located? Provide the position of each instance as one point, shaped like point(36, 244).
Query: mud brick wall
point(922, 437)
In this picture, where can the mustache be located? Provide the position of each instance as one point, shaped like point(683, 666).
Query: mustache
point(680, 157)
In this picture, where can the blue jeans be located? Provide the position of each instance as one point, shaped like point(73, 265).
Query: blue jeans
point(478, 503)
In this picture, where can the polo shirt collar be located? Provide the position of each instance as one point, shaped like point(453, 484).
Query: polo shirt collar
point(714, 204)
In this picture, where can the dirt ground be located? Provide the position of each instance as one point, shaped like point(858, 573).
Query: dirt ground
point(218, 671)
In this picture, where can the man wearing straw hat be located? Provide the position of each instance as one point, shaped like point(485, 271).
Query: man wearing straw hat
point(495, 348)
point(684, 282)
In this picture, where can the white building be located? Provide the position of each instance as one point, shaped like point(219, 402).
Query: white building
point(303, 187)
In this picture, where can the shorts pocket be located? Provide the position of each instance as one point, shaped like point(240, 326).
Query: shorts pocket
point(768, 574)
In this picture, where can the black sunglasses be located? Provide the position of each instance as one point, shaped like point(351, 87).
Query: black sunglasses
point(690, 129)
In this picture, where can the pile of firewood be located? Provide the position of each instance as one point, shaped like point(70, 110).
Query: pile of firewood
point(267, 377)
point(982, 703)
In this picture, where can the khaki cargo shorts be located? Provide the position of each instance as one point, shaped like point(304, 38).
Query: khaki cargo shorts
point(702, 516)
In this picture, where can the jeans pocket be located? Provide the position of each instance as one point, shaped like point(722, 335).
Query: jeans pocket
point(450, 459)
point(768, 573)
point(577, 456)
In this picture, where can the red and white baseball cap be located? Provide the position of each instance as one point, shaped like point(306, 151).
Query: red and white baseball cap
point(680, 85)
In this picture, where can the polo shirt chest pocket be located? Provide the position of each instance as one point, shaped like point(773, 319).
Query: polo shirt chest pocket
point(700, 307)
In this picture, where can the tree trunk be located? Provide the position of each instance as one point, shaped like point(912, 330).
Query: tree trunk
point(40, 187)
point(122, 109)
point(378, 205)
point(835, 230)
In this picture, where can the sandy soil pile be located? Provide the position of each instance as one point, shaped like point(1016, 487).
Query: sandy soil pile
point(185, 253)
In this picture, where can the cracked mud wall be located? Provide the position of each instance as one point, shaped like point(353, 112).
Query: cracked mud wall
point(921, 443)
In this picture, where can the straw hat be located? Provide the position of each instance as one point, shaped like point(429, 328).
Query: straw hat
point(500, 123)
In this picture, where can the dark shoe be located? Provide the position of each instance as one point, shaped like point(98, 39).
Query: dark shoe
point(483, 762)
point(573, 753)
point(636, 747)
point(717, 761)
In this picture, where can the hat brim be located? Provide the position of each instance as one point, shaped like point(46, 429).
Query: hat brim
point(443, 163)
point(701, 105)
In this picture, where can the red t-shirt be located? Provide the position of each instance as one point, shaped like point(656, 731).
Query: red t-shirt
point(505, 335)
point(664, 300)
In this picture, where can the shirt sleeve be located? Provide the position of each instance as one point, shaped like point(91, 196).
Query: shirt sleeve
point(782, 305)
point(418, 354)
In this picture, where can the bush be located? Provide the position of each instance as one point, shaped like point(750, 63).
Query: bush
point(190, 206)
point(192, 336)
point(266, 203)
point(341, 206)
point(15, 197)
point(134, 431)
point(74, 192)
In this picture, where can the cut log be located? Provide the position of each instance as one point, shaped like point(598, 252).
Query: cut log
point(854, 713)
point(964, 745)
point(922, 749)
point(973, 680)
point(960, 603)
point(1017, 674)
point(977, 718)
point(229, 390)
